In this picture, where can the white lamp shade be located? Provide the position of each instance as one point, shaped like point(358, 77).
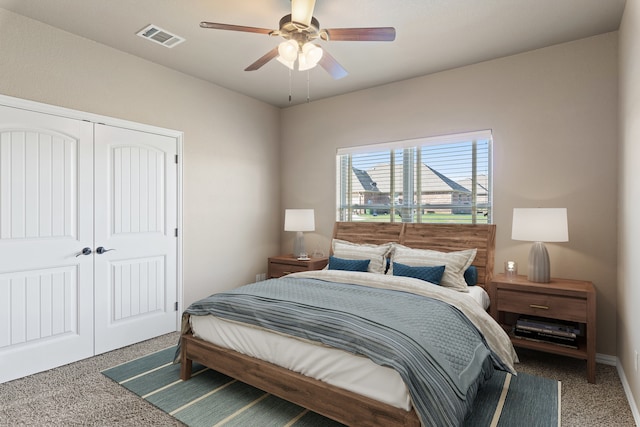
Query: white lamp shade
point(540, 225)
point(299, 220)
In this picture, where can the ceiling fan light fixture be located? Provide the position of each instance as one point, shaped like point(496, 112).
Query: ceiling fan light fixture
point(288, 64)
point(309, 56)
point(288, 50)
point(299, 29)
point(303, 65)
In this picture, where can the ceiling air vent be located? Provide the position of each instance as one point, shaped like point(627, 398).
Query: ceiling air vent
point(160, 36)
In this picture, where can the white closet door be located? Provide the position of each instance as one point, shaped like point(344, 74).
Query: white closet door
point(46, 218)
point(136, 218)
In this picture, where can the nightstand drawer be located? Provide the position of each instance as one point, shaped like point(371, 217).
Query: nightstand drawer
point(279, 270)
point(545, 305)
point(282, 265)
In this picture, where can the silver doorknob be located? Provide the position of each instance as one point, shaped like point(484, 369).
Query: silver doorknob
point(100, 250)
point(85, 251)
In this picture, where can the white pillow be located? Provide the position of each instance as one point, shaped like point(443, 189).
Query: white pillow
point(456, 263)
point(376, 253)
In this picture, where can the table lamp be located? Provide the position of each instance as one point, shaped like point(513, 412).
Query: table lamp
point(299, 220)
point(539, 225)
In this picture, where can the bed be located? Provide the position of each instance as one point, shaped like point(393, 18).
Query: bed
point(231, 347)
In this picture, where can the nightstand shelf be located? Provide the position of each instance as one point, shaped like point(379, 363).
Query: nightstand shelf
point(282, 265)
point(578, 353)
point(561, 299)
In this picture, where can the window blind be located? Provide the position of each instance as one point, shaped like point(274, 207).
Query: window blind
point(435, 179)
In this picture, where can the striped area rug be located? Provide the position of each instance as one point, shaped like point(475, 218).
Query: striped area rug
point(213, 399)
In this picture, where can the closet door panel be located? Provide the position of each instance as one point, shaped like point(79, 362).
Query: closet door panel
point(136, 215)
point(46, 218)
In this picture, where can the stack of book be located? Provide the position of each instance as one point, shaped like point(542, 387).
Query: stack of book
point(547, 330)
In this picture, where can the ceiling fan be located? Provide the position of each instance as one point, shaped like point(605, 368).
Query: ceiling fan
point(300, 29)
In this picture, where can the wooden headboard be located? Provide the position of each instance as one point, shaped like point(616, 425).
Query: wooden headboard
point(438, 237)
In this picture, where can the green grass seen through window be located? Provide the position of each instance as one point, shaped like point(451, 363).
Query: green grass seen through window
point(428, 217)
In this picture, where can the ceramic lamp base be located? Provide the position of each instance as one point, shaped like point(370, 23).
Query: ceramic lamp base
point(539, 267)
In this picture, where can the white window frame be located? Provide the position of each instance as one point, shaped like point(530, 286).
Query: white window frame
point(477, 163)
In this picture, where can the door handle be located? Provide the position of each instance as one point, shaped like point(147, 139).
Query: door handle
point(85, 251)
point(100, 250)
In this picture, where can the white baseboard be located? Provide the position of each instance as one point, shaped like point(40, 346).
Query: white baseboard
point(606, 359)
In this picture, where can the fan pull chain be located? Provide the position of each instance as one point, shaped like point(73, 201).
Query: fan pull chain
point(308, 95)
point(290, 77)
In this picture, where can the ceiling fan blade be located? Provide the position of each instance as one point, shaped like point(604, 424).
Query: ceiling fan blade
point(216, 26)
point(331, 66)
point(378, 34)
point(263, 59)
point(302, 11)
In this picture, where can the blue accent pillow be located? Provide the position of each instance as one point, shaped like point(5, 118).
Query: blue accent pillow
point(471, 275)
point(348, 264)
point(430, 274)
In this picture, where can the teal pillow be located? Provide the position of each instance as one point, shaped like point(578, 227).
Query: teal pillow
point(471, 275)
point(348, 264)
point(429, 274)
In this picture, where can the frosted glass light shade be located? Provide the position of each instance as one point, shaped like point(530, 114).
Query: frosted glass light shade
point(309, 56)
point(288, 64)
point(288, 50)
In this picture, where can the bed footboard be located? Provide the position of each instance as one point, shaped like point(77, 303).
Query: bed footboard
point(333, 402)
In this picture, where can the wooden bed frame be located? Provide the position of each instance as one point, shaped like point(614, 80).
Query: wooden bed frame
point(333, 402)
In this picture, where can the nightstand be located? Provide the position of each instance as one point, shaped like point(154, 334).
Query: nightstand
point(282, 265)
point(561, 299)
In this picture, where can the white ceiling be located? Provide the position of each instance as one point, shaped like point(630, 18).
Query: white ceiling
point(432, 35)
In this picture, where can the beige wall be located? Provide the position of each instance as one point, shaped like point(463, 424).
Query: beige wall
point(230, 141)
point(629, 229)
point(553, 113)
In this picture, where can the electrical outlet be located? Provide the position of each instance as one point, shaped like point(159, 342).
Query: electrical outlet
point(261, 276)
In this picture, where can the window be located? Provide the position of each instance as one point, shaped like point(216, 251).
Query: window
point(444, 179)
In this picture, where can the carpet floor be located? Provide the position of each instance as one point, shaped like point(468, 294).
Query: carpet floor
point(210, 398)
point(79, 395)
